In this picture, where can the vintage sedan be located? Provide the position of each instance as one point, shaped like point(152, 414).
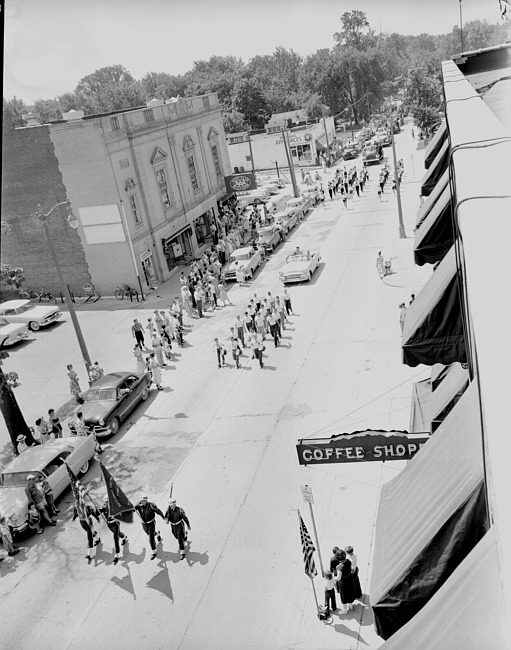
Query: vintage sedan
point(111, 399)
point(301, 206)
point(287, 220)
point(300, 266)
point(10, 333)
point(24, 311)
point(248, 257)
point(268, 238)
point(351, 151)
point(44, 462)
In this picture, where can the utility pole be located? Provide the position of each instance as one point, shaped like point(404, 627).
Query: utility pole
point(326, 136)
point(296, 191)
point(132, 251)
point(461, 28)
point(402, 234)
point(250, 147)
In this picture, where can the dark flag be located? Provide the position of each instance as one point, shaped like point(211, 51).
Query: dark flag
point(119, 506)
point(79, 495)
point(308, 550)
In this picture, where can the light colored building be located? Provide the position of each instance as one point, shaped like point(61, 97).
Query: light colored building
point(306, 141)
point(152, 175)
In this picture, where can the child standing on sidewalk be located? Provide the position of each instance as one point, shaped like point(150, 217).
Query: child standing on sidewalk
point(330, 592)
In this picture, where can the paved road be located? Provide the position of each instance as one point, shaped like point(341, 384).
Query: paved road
point(227, 439)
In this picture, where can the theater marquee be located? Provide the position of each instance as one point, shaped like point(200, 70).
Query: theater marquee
point(360, 446)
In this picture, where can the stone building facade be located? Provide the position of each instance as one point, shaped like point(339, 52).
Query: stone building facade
point(145, 185)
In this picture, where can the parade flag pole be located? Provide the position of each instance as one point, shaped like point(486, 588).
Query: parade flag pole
point(308, 552)
point(308, 498)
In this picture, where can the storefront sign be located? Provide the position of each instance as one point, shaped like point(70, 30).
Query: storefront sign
point(361, 446)
point(240, 182)
point(302, 138)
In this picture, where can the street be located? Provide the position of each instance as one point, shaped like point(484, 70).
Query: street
point(226, 440)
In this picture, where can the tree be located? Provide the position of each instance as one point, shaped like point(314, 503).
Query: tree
point(234, 122)
point(49, 110)
point(11, 275)
point(109, 89)
point(314, 108)
point(13, 110)
point(218, 74)
point(248, 99)
point(68, 102)
point(9, 407)
point(423, 93)
point(355, 32)
point(161, 85)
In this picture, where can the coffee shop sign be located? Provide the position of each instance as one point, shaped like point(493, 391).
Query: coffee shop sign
point(360, 446)
point(301, 138)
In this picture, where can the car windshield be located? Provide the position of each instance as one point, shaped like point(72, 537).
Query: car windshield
point(3, 322)
point(100, 395)
point(240, 256)
point(24, 308)
point(18, 479)
point(298, 257)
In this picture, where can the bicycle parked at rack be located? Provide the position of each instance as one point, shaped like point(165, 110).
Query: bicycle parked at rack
point(125, 290)
point(28, 294)
point(46, 296)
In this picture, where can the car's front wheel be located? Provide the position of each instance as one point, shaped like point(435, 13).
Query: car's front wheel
point(85, 467)
point(310, 276)
point(115, 425)
point(34, 325)
point(145, 394)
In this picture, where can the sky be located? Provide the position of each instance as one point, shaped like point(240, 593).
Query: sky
point(49, 45)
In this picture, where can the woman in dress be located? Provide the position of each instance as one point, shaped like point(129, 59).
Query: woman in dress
point(344, 583)
point(187, 301)
point(158, 321)
point(74, 386)
point(223, 294)
point(155, 370)
point(354, 571)
point(137, 353)
point(158, 349)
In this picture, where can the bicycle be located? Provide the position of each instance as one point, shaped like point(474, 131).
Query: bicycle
point(28, 294)
point(46, 296)
point(124, 290)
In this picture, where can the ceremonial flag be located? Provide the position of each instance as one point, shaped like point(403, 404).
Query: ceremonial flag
point(119, 506)
point(79, 494)
point(308, 550)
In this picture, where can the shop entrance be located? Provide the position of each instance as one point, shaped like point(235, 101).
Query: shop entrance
point(178, 249)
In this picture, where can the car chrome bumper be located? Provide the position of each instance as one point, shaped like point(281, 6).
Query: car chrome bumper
point(51, 319)
point(100, 431)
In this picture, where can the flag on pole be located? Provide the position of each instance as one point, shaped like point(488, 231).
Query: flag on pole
point(119, 506)
point(308, 550)
point(79, 495)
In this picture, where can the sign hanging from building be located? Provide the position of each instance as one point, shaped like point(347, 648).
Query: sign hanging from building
point(240, 182)
point(360, 446)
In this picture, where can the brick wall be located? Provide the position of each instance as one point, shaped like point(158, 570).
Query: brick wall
point(31, 176)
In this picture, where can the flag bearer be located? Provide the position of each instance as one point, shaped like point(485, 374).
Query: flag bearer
point(85, 515)
point(115, 527)
point(176, 517)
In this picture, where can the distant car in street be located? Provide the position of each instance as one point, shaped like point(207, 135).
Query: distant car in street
point(45, 461)
point(247, 257)
point(110, 400)
point(268, 238)
point(286, 219)
point(351, 151)
point(300, 266)
point(11, 333)
point(24, 311)
point(372, 153)
point(300, 205)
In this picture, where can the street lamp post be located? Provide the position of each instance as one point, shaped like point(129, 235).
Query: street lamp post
point(74, 224)
point(461, 28)
point(402, 234)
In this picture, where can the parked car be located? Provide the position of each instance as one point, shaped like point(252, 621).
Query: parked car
point(111, 399)
point(351, 151)
point(24, 311)
point(311, 192)
point(301, 206)
point(271, 187)
point(268, 238)
point(300, 266)
point(286, 219)
point(11, 333)
point(45, 462)
point(248, 257)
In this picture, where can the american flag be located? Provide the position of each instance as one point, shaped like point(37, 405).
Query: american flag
point(308, 550)
point(79, 494)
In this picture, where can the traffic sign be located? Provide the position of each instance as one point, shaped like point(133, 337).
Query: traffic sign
point(307, 494)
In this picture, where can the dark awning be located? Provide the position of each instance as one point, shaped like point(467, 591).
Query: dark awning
point(435, 236)
point(433, 330)
point(438, 167)
point(420, 419)
point(466, 612)
point(435, 145)
point(430, 517)
point(428, 204)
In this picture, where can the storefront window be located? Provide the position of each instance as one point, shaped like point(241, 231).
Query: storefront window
point(203, 226)
point(177, 249)
point(302, 152)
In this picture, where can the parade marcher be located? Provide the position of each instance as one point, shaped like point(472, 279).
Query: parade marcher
point(137, 330)
point(86, 523)
point(235, 348)
point(56, 426)
point(74, 385)
point(240, 329)
point(220, 353)
point(379, 265)
point(287, 302)
point(274, 329)
point(115, 527)
point(35, 498)
point(148, 511)
point(155, 371)
point(199, 297)
point(176, 517)
point(6, 535)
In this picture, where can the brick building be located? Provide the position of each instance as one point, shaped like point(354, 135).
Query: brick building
point(152, 176)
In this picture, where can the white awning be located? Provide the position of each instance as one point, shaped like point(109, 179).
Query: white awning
point(423, 212)
point(435, 145)
point(420, 419)
point(466, 612)
point(433, 329)
point(429, 490)
point(435, 235)
point(434, 173)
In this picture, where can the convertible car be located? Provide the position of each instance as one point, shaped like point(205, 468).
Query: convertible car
point(44, 462)
point(111, 399)
point(300, 266)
